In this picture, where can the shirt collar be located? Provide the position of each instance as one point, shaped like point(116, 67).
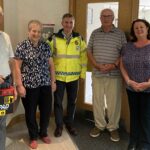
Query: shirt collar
point(66, 37)
point(112, 29)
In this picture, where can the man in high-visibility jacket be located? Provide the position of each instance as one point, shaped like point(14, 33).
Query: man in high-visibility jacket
point(70, 60)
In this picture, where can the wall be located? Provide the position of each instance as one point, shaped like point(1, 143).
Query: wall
point(19, 12)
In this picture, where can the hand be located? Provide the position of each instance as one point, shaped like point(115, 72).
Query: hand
point(109, 67)
point(1, 79)
point(53, 85)
point(100, 67)
point(105, 68)
point(21, 90)
point(134, 85)
point(143, 86)
point(15, 93)
point(138, 87)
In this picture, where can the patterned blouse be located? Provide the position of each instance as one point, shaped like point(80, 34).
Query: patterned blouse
point(35, 68)
point(137, 62)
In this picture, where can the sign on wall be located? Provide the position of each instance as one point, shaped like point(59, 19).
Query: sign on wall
point(48, 30)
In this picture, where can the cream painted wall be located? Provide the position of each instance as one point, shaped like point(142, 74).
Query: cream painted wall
point(19, 12)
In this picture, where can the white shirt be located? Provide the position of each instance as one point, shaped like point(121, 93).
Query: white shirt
point(6, 52)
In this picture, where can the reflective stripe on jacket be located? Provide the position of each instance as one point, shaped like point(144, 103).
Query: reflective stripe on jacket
point(70, 59)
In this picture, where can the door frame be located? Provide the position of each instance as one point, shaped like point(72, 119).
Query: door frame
point(1, 25)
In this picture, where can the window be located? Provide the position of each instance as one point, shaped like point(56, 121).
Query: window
point(144, 9)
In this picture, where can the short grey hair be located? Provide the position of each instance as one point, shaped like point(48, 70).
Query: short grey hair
point(34, 22)
point(108, 9)
point(1, 11)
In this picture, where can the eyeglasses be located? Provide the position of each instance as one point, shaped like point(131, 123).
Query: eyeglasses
point(107, 16)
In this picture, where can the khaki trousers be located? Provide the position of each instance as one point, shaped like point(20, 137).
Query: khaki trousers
point(111, 87)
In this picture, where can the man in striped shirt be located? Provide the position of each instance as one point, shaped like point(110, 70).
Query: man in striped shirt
point(103, 52)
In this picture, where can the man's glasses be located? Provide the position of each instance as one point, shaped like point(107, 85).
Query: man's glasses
point(107, 16)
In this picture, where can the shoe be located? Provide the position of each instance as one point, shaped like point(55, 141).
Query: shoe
point(114, 136)
point(58, 132)
point(95, 132)
point(131, 147)
point(33, 144)
point(46, 139)
point(71, 130)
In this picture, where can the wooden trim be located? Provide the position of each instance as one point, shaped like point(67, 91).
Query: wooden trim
point(1, 3)
point(72, 9)
point(72, 6)
point(1, 25)
point(135, 9)
point(85, 106)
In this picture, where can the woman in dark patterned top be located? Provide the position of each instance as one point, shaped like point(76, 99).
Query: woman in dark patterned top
point(35, 81)
point(135, 68)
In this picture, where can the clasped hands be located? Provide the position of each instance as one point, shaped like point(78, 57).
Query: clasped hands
point(138, 87)
point(105, 68)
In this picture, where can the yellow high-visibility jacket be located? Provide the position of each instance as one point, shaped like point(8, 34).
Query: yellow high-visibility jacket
point(70, 57)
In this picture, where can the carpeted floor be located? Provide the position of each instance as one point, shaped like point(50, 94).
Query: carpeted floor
point(103, 142)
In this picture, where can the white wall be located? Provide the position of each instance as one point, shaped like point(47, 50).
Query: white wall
point(19, 12)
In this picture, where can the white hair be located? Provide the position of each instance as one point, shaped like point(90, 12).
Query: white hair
point(107, 9)
point(1, 11)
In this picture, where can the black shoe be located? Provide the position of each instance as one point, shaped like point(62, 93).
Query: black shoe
point(58, 132)
point(132, 147)
point(71, 130)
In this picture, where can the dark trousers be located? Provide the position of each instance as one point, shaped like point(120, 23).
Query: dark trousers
point(71, 89)
point(41, 97)
point(139, 104)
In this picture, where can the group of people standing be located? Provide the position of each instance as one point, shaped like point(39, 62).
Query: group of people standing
point(40, 68)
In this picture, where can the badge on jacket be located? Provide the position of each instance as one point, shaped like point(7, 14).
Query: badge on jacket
point(77, 45)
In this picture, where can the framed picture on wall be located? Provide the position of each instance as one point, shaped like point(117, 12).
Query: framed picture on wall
point(48, 30)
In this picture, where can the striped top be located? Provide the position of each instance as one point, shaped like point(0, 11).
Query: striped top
point(106, 48)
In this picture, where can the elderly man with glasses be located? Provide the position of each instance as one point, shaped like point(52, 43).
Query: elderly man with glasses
point(103, 52)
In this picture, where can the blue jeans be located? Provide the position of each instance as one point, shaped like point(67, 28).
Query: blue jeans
point(2, 132)
point(6, 84)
